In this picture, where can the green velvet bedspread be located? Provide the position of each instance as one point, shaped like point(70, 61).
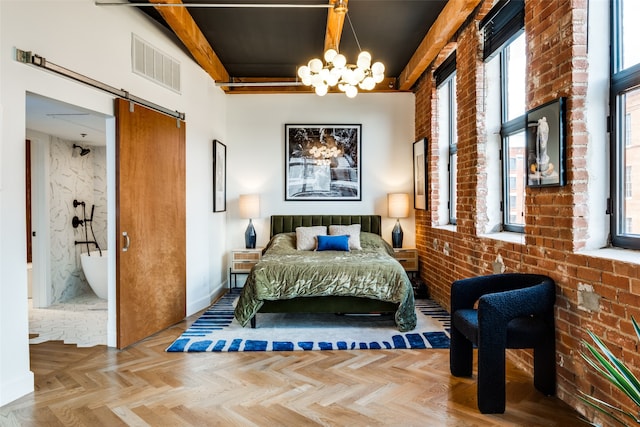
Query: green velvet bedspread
point(285, 272)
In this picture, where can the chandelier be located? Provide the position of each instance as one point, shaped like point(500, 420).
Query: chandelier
point(335, 71)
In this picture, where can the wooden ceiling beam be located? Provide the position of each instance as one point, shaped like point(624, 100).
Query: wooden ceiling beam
point(387, 85)
point(454, 14)
point(335, 23)
point(183, 25)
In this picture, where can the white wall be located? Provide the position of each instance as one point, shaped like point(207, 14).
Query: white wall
point(94, 41)
point(256, 155)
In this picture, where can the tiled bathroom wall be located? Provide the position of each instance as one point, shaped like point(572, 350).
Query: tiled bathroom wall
point(81, 178)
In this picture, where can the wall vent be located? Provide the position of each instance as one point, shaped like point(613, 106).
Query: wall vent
point(155, 65)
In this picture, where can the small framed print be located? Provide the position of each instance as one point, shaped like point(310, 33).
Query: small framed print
point(545, 145)
point(420, 174)
point(219, 176)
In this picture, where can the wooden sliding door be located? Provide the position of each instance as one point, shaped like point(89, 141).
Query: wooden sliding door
point(150, 222)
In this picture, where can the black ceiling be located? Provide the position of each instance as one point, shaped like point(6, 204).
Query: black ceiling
point(273, 42)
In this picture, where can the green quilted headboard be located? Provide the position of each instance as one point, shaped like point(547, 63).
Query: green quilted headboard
point(288, 223)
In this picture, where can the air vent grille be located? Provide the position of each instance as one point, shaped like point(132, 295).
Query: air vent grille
point(155, 65)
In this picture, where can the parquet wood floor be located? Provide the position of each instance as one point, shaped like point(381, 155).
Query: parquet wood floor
point(144, 386)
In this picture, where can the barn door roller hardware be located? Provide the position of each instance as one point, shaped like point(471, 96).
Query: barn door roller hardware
point(29, 58)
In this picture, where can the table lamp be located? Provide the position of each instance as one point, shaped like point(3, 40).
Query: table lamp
point(249, 208)
point(398, 208)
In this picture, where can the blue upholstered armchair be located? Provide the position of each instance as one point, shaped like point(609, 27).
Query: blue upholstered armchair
point(513, 311)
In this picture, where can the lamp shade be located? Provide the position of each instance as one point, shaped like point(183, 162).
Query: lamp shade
point(398, 205)
point(249, 206)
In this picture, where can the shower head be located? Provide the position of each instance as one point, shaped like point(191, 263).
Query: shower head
point(83, 151)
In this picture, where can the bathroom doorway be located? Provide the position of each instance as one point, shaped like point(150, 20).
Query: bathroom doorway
point(68, 164)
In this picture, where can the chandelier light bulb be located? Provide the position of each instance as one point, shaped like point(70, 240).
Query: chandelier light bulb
point(368, 83)
point(364, 60)
point(351, 92)
point(316, 80)
point(377, 68)
point(330, 54)
point(322, 89)
point(315, 65)
point(339, 61)
point(304, 71)
point(359, 74)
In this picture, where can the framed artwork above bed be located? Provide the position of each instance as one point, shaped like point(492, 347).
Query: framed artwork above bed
point(322, 162)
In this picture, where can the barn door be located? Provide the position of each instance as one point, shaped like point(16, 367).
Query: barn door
point(150, 222)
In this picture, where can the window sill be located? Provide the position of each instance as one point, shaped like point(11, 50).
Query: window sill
point(447, 227)
point(505, 236)
point(615, 254)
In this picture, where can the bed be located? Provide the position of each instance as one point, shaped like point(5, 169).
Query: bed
point(354, 281)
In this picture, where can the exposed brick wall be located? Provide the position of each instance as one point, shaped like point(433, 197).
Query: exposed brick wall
point(593, 293)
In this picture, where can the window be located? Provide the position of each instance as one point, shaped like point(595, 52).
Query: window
point(505, 44)
point(625, 112)
point(445, 77)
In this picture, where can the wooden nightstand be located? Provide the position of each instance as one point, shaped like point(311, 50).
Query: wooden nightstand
point(242, 261)
point(408, 257)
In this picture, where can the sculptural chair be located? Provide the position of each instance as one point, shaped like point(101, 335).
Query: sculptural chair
point(513, 311)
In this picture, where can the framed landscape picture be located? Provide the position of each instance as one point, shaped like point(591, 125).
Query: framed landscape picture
point(420, 174)
point(322, 162)
point(219, 176)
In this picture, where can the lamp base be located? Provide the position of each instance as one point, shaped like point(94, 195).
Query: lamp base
point(250, 236)
point(397, 235)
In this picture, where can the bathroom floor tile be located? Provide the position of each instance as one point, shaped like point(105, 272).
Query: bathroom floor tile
point(81, 321)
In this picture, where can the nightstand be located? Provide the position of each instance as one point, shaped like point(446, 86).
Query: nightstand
point(242, 261)
point(408, 257)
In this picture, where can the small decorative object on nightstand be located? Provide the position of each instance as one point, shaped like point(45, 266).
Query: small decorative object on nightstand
point(242, 261)
point(249, 208)
point(398, 208)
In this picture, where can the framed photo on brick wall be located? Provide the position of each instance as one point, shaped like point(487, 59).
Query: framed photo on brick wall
point(420, 174)
point(546, 157)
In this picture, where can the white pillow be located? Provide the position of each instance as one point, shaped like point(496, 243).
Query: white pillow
point(353, 231)
point(306, 237)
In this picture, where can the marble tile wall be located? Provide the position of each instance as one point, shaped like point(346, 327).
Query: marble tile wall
point(81, 178)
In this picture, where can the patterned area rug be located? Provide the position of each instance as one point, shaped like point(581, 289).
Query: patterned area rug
point(217, 330)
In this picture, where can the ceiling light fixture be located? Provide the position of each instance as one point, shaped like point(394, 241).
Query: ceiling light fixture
point(335, 71)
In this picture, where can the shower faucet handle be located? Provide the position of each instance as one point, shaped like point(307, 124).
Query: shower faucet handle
point(127, 241)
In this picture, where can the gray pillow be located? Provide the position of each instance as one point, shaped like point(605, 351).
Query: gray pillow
point(353, 231)
point(306, 237)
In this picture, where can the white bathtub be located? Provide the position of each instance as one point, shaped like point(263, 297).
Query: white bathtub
point(94, 268)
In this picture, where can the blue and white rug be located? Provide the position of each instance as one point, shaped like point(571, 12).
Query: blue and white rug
point(217, 330)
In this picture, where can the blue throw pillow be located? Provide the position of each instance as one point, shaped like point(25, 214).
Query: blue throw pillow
point(333, 243)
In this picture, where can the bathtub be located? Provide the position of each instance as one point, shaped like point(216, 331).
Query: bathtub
point(94, 268)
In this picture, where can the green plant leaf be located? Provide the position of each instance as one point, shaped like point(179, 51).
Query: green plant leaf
point(617, 372)
point(605, 363)
point(607, 409)
point(636, 327)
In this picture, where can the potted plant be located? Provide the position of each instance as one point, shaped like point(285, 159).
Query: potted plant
point(611, 368)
